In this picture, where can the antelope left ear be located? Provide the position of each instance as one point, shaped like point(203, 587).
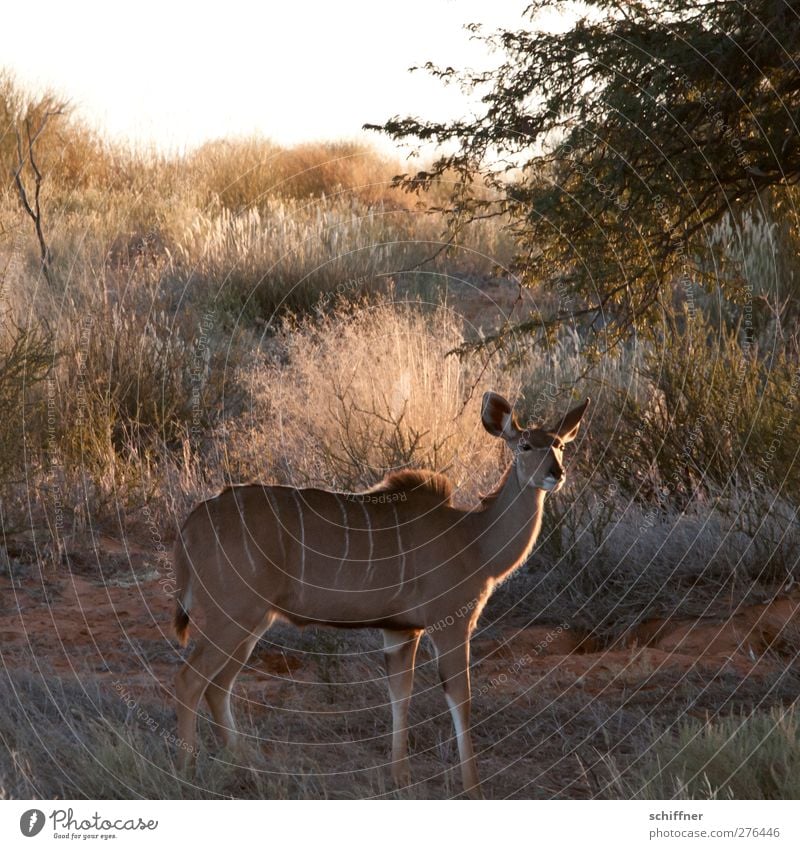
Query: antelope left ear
point(570, 424)
point(498, 418)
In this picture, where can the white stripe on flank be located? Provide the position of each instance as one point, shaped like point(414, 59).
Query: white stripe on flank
point(401, 553)
point(217, 549)
point(273, 503)
point(371, 539)
point(302, 538)
point(245, 534)
point(346, 537)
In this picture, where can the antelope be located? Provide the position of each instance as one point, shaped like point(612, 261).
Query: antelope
point(399, 557)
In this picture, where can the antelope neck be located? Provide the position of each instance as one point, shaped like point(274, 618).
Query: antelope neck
point(507, 528)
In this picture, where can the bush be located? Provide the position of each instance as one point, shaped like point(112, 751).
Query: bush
point(754, 756)
point(288, 255)
point(722, 414)
point(248, 173)
point(359, 391)
point(26, 356)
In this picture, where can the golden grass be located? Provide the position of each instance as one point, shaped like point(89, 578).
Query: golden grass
point(232, 314)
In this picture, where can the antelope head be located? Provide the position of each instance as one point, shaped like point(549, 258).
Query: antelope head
point(538, 452)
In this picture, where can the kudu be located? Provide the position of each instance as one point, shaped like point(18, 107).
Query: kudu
point(399, 557)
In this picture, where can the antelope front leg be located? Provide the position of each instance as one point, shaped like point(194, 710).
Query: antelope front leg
point(400, 650)
point(453, 655)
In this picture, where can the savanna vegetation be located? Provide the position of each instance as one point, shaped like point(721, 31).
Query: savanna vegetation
point(245, 311)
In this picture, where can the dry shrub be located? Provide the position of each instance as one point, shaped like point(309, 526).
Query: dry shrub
point(248, 173)
point(346, 396)
point(722, 414)
point(607, 563)
point(361, 391)
point(141, 377)
point(288, 254)
point(755, 756)
point(69, 153)
point(26, 356)
point(112, 752)
point(244, 224)
point(134, 394)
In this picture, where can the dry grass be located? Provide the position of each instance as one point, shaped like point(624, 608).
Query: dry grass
point(330, 738)
point(291, 254)
point(348, 396)
point(743, 756)
point(234, 314)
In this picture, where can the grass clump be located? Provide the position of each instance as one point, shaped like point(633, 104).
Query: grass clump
point(754, 756)
point(26, 358)
point(722, 413)
point(352, 394)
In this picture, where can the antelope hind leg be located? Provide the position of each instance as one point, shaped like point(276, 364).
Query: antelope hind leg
point(400, 650)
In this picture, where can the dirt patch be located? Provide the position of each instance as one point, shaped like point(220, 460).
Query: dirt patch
point(121, 626)
point(751, 630)
point(546, 698)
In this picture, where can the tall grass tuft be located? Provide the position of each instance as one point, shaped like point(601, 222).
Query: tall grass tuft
point(754, 756)
point(355, 393)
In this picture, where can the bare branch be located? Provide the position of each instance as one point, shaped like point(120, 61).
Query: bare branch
point(26, 156)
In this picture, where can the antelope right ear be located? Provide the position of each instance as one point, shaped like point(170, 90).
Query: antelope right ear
point(567, 429)
point(497, 416)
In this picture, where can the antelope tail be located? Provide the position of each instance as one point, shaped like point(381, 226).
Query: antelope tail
point(183, 590)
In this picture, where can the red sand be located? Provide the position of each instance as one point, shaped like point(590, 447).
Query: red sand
point(74, 623)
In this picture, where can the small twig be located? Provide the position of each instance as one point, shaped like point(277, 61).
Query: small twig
point(34, 211)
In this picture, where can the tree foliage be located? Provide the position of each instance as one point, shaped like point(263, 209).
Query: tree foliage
point(613, 146)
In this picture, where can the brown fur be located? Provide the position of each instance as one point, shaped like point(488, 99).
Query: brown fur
point(181, 623)
point(400, 557)
point(182, 579)
point(490, 497)
point(418, 481)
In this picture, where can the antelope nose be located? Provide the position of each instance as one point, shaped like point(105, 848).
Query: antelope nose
point(557, 472)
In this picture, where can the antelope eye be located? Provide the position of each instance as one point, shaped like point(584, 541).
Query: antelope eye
point(524, 446)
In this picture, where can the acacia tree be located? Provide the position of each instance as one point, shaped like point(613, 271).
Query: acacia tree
point(612, 147)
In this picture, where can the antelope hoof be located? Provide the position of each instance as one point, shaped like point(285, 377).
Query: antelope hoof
point(231, 753)
point(401, 775)
point(186, 764)
point(475, 792)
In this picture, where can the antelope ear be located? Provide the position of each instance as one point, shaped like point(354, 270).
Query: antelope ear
point(568, 428)
point(497, 416)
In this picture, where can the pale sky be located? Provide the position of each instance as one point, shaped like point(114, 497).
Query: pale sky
point(177, 74)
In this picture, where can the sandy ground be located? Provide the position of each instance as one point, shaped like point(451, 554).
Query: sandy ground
point(106, 614)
